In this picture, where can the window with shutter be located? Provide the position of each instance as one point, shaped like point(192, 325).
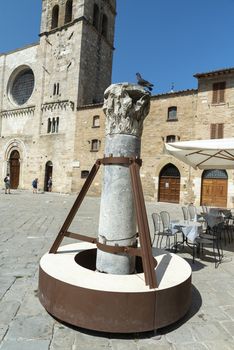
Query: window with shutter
point(220, 131)
point(212, 131)
point(215, 94)
point(216, 131)
point(219, 92)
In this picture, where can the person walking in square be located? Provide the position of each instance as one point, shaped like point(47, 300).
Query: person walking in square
point(35, 185)
point(7, 184)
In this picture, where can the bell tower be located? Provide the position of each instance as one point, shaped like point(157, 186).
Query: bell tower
point(76, 42)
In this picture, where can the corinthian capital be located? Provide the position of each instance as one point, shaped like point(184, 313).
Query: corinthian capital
point(125, 106)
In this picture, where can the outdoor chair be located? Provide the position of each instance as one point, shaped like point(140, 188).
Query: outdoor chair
point(167, 230)
point(228, 226)
point(192, 212)
point(213, 242)
point(194, 216)
point(185, 213)
point(230, 222)
point(157, 233)
point(204, 209)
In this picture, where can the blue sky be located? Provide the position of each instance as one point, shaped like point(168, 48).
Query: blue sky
point(166, 40)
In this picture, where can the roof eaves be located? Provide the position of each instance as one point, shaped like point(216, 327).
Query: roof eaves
point(214, 73)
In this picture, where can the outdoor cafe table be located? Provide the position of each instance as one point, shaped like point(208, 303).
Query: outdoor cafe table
point(219, 211)
point(190, 229)
point(212, 218)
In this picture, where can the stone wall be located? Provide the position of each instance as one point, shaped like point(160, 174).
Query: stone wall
point(84, 156)
point(157, 128)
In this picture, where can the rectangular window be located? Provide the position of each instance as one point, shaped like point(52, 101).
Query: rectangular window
point(172, 113)
point(218, 92)
point(95, 145)
point(96, 121)
point(216, 131)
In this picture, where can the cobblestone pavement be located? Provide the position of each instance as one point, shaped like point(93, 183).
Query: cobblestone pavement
point(29, 224)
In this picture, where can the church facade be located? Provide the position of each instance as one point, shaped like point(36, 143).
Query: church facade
point(52, 123)
point(42, 85)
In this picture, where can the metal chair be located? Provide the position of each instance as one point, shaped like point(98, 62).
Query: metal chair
point(185, 213)
point(156, 222)
point(228, 223)
point(204, 209)
point(167, 230)
point(192, 212)
point(214, 241)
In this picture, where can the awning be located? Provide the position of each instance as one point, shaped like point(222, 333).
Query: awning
point(204, 154)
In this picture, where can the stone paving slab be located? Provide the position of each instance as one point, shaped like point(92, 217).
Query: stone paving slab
point(26, 345)
point(29, 225)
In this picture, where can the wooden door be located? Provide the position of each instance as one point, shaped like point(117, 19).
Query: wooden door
point(14, 169)
point(169, 189)
point(214, 192)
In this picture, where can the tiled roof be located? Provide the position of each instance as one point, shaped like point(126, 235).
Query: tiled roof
point(215, 72)
point(175, 93)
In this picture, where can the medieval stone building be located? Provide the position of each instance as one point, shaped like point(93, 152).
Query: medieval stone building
point(52, 120)
point(42, 86)
point(203, 113)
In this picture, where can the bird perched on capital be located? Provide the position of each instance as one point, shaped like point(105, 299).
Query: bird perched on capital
point(144, 82)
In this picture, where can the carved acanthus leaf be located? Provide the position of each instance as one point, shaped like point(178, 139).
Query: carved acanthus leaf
point(125, 106)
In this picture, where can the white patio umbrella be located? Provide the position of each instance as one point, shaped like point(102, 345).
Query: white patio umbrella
point(204, 154)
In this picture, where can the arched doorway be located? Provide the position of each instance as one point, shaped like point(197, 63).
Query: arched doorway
point(14, 161)
point(214, 188)
point(48, 173)
point(169, 184)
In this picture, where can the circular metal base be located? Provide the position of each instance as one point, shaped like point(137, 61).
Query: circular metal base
point(73, 291)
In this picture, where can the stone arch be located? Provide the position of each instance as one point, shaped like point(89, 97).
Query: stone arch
point(55, 17)
point(11, 149)
point(160, 164)
point(68, 11)
point(164, 161)
point(169, 184)
point(14, 166)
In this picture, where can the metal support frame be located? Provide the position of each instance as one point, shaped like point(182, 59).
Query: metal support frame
point(145, 250)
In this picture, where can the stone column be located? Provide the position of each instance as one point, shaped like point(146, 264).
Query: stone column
point(126, 106)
